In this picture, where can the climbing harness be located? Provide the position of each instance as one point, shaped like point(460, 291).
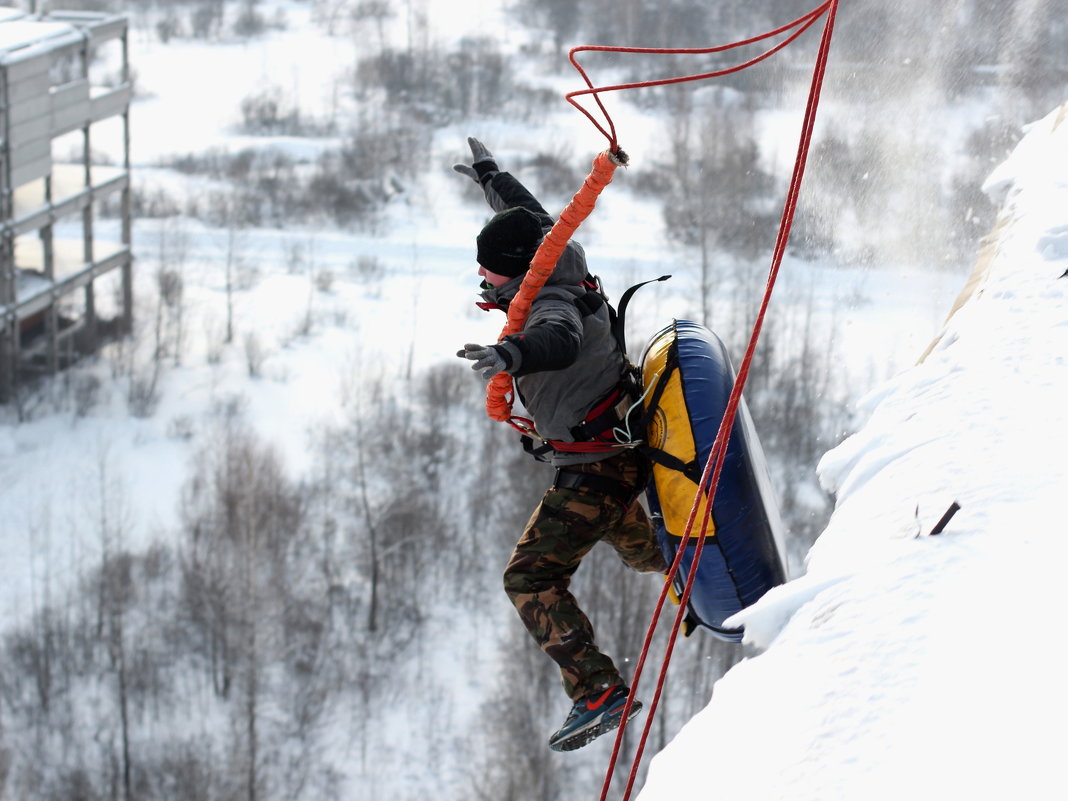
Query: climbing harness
point(624, 494)
point(614, 421)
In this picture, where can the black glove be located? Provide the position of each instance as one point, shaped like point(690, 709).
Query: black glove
point(483, 166)
point(490, 359)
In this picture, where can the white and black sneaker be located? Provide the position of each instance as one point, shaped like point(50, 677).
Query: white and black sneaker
point(593, 716)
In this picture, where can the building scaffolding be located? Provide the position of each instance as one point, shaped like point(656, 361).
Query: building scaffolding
point(66, 265)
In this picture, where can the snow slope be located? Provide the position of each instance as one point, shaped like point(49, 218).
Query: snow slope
point(904, 665)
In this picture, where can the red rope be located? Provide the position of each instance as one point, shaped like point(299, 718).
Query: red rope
point(714, 465)
point(802, 24)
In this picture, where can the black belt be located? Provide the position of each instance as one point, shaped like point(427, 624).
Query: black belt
point(571, 479)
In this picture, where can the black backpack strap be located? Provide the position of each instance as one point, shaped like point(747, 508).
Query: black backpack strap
point(692, 470)
point(542, 453)
point(619, 318)
point(590, 302)
point(576, 480)
point(595, 298)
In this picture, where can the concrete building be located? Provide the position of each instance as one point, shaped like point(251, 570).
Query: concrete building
point(65, 258)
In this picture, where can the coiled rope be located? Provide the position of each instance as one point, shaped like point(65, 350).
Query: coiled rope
point(500, 393)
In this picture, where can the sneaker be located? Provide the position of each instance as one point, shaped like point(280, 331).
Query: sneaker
point(593, 716)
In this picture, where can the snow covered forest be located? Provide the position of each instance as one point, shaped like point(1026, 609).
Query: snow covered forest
point(254, 550)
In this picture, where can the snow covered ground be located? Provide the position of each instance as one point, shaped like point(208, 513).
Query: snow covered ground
point(904, 665)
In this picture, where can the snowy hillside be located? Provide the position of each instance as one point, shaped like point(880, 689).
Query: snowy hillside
point(904, 665)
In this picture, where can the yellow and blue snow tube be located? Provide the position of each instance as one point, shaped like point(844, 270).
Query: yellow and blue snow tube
point(688, 378)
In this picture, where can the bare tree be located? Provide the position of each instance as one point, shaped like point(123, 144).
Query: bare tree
point(5, 758)
point(172, 254)
point(255, 587)
point(236, 210)
point(508, 759)
point(115, 596)
point(716, 192)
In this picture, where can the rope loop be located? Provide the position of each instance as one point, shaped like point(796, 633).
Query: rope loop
point(798, 26)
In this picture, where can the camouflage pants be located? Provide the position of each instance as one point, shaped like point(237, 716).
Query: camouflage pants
point(562, 530)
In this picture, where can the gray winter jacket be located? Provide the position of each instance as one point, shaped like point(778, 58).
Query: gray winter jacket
point(564, 362)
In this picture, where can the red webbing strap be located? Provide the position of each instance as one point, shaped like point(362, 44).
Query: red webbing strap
point(499, 392)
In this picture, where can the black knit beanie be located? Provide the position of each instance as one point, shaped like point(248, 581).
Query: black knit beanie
point(509, 241)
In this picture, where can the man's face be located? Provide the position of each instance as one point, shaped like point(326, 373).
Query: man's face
point(492, 278)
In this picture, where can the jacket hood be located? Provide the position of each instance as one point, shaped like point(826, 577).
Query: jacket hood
point(570, 270)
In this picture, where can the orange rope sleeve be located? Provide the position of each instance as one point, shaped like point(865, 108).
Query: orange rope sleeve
point(499, 392)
